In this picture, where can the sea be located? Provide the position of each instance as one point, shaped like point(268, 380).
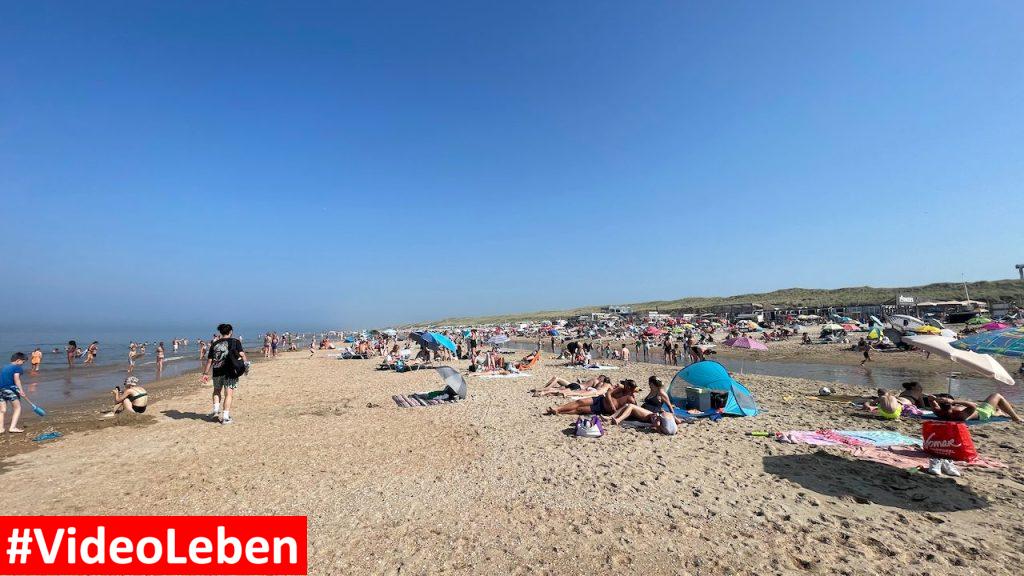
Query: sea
point(57, 383)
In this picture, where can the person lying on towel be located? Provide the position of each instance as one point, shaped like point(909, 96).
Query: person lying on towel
point(612, 400)
point(595, 386)
point(962, 410)
point(889, 406)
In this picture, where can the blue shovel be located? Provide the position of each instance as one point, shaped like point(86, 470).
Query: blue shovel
point(39, 411)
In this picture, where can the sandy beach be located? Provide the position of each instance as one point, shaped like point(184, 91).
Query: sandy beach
point(489, 485)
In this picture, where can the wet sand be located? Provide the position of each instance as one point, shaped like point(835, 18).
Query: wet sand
point(489, 485)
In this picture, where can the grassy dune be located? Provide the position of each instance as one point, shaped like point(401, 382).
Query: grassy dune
point(991, 291)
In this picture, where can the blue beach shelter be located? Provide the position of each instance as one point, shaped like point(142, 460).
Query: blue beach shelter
point(711, 375)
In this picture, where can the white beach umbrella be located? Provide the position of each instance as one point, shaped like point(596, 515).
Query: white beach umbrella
point(979, 363)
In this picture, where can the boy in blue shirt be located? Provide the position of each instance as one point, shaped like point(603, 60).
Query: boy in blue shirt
point(11, 392)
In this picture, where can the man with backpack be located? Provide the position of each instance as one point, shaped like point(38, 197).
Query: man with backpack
point(227, 361)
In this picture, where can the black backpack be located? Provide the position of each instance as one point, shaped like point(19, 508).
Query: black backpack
point(234, 366)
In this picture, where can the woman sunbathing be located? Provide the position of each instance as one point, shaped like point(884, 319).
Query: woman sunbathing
point(609, 403)
point(595, 386)
point(962, 410)
point(889, 406)
point(662, 421)
point(653, 403)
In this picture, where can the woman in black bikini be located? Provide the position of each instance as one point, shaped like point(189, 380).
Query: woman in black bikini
point(134, 397)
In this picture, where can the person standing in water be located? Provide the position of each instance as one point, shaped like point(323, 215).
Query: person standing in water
point(37, 359)
point(72, 351)
point(160, 357)
point(91, 352)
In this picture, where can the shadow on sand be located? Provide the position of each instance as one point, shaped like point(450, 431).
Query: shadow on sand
point(178, 415)
point(870, 482)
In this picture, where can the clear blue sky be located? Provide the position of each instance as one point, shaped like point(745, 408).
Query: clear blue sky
point(353, 164)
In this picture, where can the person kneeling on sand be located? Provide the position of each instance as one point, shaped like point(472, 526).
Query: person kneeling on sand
point(962, 410)
point(595, 386)
point(613, 399)
point(133, 397)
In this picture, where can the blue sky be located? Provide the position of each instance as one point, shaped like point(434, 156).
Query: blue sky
point(352, 164)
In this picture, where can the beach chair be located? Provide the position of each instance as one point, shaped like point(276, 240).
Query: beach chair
point(521, 366)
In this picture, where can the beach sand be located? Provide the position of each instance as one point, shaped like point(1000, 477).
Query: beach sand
point(489, 485)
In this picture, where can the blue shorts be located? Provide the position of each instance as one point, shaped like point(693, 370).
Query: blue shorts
point(598, 405)
point(9, 395)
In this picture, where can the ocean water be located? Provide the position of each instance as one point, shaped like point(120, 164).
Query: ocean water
point(58, 384)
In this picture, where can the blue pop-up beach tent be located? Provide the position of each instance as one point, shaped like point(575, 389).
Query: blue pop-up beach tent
point(711, 375)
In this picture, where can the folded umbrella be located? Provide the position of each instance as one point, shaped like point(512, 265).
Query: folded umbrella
point(979, 363)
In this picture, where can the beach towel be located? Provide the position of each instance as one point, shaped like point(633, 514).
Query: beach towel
point(803, 437)
point(881, 438)
point(814, 438)
point(929, 415)
point(514, 375)
point(596, 367)
point(687, 416)
point(842, 398)
point(841, 439)
point(907, 457)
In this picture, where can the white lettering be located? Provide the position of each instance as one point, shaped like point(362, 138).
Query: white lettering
point(98, 542)
point(222, 543)
point(172, 558)
point(947, 443)
point(255, 546)
point(158, 550)
point(119, 546)
point(292, 549)
point(49, 554)
point(200, 545)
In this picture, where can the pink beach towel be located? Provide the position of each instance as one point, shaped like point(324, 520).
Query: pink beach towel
point(804, 437)
point(906, 457)
point(818, 438)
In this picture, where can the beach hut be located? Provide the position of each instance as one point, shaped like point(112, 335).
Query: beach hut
point(710, 375)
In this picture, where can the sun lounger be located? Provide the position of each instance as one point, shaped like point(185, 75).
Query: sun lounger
point(527, 365)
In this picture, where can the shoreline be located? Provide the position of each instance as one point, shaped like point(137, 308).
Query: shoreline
point(85, 415)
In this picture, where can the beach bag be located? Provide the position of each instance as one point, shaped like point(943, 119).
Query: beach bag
point(589, 427)
point(951, 440)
